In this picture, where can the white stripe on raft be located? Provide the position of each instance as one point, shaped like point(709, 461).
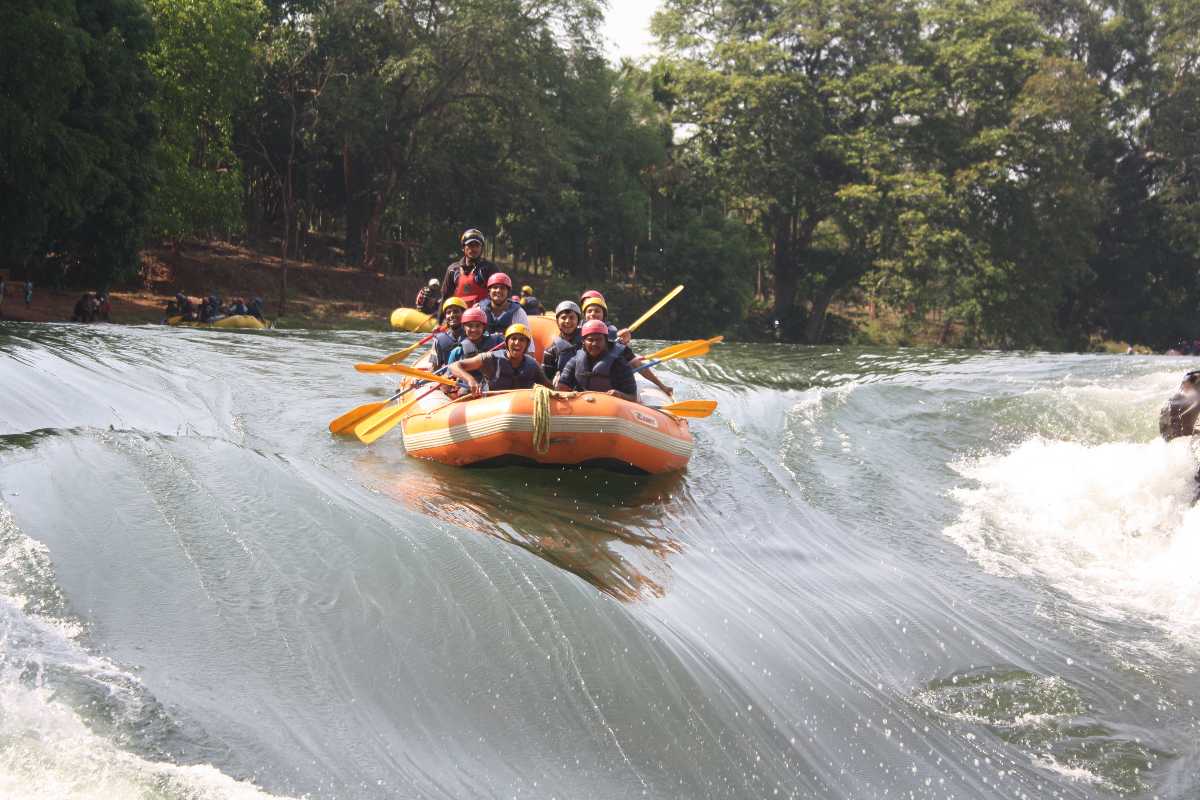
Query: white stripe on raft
point(523, 423)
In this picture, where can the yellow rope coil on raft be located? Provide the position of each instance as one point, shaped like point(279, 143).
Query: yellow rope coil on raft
point(541, 419)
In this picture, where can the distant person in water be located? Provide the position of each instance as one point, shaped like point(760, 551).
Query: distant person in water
point(1179, 413)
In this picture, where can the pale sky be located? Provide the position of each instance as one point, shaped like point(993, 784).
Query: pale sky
point(627, 28)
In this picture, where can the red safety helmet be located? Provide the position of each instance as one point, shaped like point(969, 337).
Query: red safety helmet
point(590, 293)
point(594, 326)
point(499, 277)
point(474, 314)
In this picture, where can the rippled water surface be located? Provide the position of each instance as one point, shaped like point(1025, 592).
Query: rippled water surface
point(886, 573)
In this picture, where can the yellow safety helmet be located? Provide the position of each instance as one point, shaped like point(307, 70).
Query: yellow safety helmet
point(527, 289)
point(454, 301)
point(595, 301)
point(517, 329)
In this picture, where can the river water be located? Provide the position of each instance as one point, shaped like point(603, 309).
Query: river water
point(886, 573)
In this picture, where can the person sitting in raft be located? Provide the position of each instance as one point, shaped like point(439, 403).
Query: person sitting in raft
point(187, 308)
point(594, 308)
point(501, 311)
point(598, 366)
point(567, 343)
point(476, 340)
point(255, 309)
point(238, 308)
point(446, 340)
point(530, 303)
point(510, 368)
point(427, 297)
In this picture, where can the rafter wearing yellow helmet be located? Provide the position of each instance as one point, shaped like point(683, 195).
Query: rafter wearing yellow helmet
point(510, 368)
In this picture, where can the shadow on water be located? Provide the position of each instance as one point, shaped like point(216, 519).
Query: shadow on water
point(611, 530)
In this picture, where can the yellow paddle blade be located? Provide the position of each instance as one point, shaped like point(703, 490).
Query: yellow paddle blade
point(344, 425)
point(384, 419)
point(698, 348)
point(667, 352)
point(403, 370)
point(654, 308)
point(691, 408)
point(400, 355)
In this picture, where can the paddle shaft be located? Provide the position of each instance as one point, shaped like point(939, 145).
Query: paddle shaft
point(654, 308)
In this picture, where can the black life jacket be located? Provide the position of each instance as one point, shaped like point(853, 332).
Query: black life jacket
point(486, 342)
point(560, 352)
point(599, 377)
point(498, 323)
point(443, 343)
point(503, 376)
point(531, 304)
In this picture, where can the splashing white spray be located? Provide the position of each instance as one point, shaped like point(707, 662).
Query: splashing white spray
point(1113, 525)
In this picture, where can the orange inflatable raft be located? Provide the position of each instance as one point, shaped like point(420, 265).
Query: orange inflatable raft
point(586, 429)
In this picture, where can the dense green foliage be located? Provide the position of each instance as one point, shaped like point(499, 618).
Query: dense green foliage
point(75, 136)
point(1026, 174)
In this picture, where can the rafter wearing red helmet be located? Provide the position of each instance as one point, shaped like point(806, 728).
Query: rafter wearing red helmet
point(501, 311)
point(598, 366)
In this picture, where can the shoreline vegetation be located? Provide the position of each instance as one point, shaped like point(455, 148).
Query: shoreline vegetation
point(1004, 174)
point(332, 296)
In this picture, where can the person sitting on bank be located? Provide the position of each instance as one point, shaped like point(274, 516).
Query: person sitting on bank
point(428, 296)
point(567, 343)
point(510, 368)
point(598, 367)
point(446, 340)
point(595, 309)
point(530, 303)
point(501, 311)
point(467, 278)
point(85, 308)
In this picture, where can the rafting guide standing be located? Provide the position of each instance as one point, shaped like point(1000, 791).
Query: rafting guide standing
point(467, 278)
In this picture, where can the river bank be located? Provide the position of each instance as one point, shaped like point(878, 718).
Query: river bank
point(330, 296)
point(319, 296)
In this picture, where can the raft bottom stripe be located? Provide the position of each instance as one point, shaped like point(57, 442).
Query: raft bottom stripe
point(523, 423)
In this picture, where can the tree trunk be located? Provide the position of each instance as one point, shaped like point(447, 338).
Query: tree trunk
point(814, 326)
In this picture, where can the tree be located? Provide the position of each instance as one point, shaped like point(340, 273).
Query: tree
point(75, 171)
point(762, 85)
point(203, 64)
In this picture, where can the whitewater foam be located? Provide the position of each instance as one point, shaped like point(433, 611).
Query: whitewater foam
point(46, 747)
point(1113, 525)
